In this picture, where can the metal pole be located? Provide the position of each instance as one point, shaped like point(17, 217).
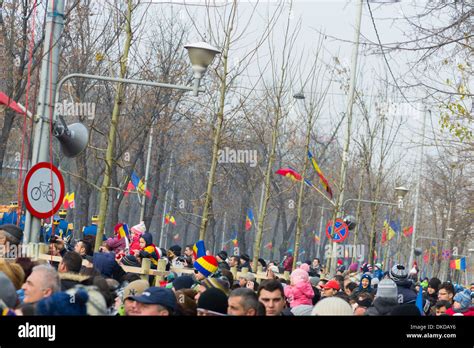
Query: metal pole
point(147, 170)
point(166, 202)
point(345, 154)
point(417, 195)
point(320, 232)
point(47, 91)
point(223, 231)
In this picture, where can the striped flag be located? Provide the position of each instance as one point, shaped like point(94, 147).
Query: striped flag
point(322, 179)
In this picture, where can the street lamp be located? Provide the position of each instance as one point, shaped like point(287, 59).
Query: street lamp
point(201, 55)
point(401, 192)
point(74, 138)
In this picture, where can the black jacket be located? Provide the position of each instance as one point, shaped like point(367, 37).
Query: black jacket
point(381, 306)
point(70, 280)
point(223, 265)
point(406, 292)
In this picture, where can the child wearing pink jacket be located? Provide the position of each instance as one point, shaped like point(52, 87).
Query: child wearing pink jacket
point(300, 292)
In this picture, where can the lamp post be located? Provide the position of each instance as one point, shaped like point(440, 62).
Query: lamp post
point(72, 138)
point(400, 192)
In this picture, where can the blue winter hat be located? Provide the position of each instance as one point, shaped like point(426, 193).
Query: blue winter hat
point(369, 278)
point(62, 303)
point(148, 238)
point(463, 298)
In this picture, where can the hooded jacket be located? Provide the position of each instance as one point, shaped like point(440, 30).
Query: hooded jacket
point(381, 306)
point(406, 294)
point(300, 294)
point(69, 280)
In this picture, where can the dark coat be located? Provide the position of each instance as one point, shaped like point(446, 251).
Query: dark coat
point(381, 306)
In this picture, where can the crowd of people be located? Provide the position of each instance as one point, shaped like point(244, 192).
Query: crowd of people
point(85, 282)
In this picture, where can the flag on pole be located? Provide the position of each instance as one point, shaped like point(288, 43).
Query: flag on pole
point(426, 256)
point(290, 173)
point(68, 200)
point(235, 241)
point(269, 246)
point(199, 249)
point(248, 219)
point(141, 189)
point(129, 189)
point(407, 231)
point(121, 230)
point(459, 264)
point(384, 236)
point(390, 233)
point(322, 179)
point(170, 219)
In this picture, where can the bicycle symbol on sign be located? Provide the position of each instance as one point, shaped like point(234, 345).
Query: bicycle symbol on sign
point(45, 190)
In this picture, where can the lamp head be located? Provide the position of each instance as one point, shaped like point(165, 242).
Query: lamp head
point(401, 191)
point(201, 55)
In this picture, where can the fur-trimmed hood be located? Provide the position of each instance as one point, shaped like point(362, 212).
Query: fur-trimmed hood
point(74, 277)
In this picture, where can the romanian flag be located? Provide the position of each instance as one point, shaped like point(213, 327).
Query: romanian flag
point(235, 241)
point(323, 180)
point(290, 173)
point(121, 230)
point(459, 264)
point(170, 219)
point(68, 200)
point(248, 220)
point(136, 183)
point(407, 231)
point(141, 189)
point(384, 236)
point(199, 249)
point(389, 229)
point(269, 246)
point(129, 189)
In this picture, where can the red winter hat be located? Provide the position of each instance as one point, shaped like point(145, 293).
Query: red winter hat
point(332, 284)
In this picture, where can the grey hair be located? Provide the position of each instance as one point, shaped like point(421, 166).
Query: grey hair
point(248, 297)
point(50, 278)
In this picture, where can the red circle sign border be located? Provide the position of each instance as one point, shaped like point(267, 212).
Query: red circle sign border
point(25, 194)
point(343, 224)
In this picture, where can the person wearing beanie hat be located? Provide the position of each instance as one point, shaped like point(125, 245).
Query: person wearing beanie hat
point(205, 266)
point(135, 234)
point(406, 292)
point(221, 260)
point(212, 283)
point(378, 272)
point(245, 279)
point(212, 302)
point(130, 260)
point(374, 283)
point(60, 304)
point(386, 299)
point(332, 306)
point(462, 304)
point(365, 285)
point(245, 262)
point(148, 249)
point(183, 282)
point(96, 303)
point(300, 291)
point(7, 291)
point(10, 235)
